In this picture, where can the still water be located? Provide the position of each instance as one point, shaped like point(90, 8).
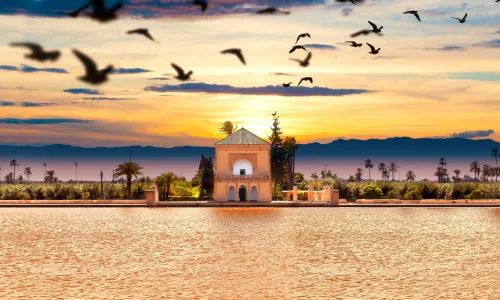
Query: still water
point(249, 253)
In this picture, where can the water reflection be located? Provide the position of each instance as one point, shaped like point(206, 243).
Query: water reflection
point(249, 253)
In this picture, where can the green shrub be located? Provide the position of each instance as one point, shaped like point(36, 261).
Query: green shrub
point(413, 195)
point(371, 191)
point(392, 194)
point(476, 194)
point(301, 195)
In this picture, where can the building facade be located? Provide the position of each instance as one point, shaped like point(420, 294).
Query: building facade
point(242, 168)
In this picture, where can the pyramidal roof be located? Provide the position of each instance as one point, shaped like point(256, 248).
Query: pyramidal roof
point(242, 137)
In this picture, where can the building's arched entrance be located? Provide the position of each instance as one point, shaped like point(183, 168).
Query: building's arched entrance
point(242, 193)
point(253, 193)
point(231, 194)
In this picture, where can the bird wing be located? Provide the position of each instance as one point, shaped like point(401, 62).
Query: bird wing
point(352, 42)
point(364, 31)
point(293, 49)
point(418, 17)
point(456, 18)
point(353, 2)
point(310, 79)
point(465, 17)
point(373, 25)
point(300, 81)
point(308, 35)
point(148, 35)
point(90, 65)
point(180, 71)
point(83, 8)
point(371, 47)
point(240, 56)
point(302, 47)
point(309, 55)
point(98, 5)
point(298, 38)
point(133, 31)
point(267, 10)
point(108, 70)
point(32, 46)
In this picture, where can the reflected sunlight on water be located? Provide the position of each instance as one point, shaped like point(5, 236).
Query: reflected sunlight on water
point(249, 253)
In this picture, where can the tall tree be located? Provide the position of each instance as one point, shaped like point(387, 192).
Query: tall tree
point(9, 178)
point(475, 167)
point(277, 154)
point(50, 176)
point(494, 153)
point(20, 179)
point(129, 169)
point(290, 147)
point(13, 163)
point(410, 176)
point(382, 167)
point(442, 162)
point(27, 172)
point(227, 128)
point(164, 183)
point(393, 168)
point(369, 166)
point(314, 176)
point(206, 176)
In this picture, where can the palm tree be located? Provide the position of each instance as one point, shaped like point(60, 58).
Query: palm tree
point(494, 153)
point(410, 176)
point(382, 168)
point(76, 166)
point(475, 167)
point(167, 179)
point(393, 168)
point(314, 176)
point(13, 163)
point(128, 169)
point(368, 165)
point(9, 178)
point(20, 179)
point(228, 128)
point(359, 174)
point(457, 172)
point(385, 175)
point(442, 162)
point(50, 176)
point(27, 172)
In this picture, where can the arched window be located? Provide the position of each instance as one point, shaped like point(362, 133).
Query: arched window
point(231, 194)
point(253, 193)
point(242, 167)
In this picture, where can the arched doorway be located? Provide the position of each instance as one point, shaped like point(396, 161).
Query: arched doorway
point(253, 193)
point(231, 194)
point(242, 193)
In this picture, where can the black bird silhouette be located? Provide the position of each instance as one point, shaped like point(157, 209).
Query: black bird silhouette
point(413, 12)
point(301, 36)
point(361, 32)
point(92, 74)
point(305, 62)
point(236, 52)
point(354, 44)
point(272, 10)
point(101, 13)
point(375, 28)
point(297, 47)
point(352, 1)
point(373, 51)
point(306, 79)
point(37, 52)
point(77, 12)
point(180, 73)
point(286, 84)
point(142, 31)
point(202, 3)
point(461, 20)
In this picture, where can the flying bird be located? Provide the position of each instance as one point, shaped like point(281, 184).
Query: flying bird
point(354, 44)
point(142, 31)
point(180, 73)
point(37, 52)
point(286, 84)
point(373, 51)
point(236, 52)
point(361, 32)
point(461, 20)
point(305, 62)
point(272, 10)
point(201, 3)
point(301, 36)
point(103, 14)
point(297, 47)
point(306, 79)
point(413, 12)
point(352, 1)
point(77, 12)
point(375, 28)
point(92, 74)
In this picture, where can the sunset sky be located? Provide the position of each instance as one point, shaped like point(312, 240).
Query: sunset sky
point(438, 78)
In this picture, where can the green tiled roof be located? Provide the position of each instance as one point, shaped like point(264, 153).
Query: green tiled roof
point(242, 137)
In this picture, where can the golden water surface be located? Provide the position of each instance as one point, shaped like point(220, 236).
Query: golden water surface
point(249, 253)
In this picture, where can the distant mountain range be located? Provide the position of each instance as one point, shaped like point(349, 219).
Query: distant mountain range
point(338, 149)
